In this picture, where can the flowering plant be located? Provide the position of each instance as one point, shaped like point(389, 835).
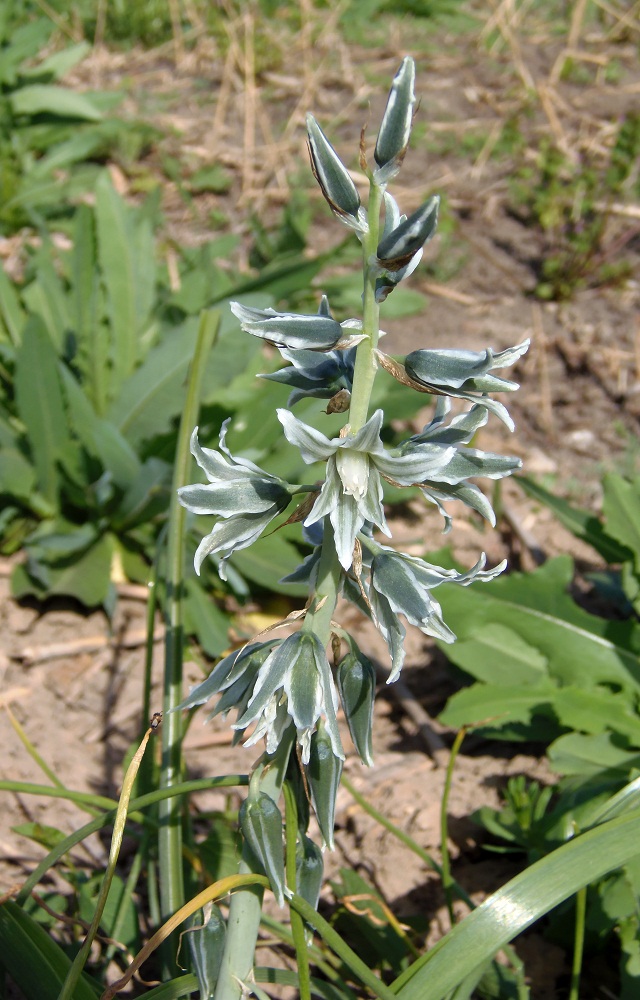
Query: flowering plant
point(286, 690)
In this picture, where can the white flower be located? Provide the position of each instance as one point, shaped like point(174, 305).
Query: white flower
point(245, 496)
point(352, 490)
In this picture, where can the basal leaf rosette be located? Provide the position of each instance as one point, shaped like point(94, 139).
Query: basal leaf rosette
point(352, 491)
point(243, 495)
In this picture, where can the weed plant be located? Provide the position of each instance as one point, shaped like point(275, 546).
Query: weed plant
point(287, 683)
point(569, 202)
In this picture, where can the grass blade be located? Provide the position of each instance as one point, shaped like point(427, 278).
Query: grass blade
point(522, 901)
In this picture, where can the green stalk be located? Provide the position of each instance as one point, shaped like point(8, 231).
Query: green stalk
point(578, 942)
point(447, 880)
point(318, 618)
point(342, 950)
point(245, 908)
point(365, 366)
point(297, 923)
point(170, 810)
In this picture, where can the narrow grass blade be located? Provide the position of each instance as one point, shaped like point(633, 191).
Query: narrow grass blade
point(516, 906)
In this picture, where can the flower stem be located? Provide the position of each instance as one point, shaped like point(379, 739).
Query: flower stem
point(297, 923)
point(318, 618)
point(170, 810)
point(245, 908)
point(448, 883)
point(365, 366)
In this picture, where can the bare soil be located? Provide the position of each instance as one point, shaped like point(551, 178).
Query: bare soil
point(576, 413)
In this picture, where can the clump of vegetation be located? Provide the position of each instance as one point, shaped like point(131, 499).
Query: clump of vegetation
point(570, 201)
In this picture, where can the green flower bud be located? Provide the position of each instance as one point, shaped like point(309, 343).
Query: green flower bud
point(323, 772)
point(331, 174)
point(396, 249)
point(357, 684)
point(393, 137)
point(206, 944)
point(261, 826)
point(309, 870)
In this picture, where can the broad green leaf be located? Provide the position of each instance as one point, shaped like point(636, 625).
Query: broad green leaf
point(153, 396)
point(597, 711)
point(147, 496)
point(267, 561)
point(580, 648)
point(523, 900)
point(47, 836)
point(44, 98)
point(587, 755)
point(621, 507)
point(26, 41)
point(32, 958)
point(12, 315)
point(498, 655)
point(203, 617)
point(87, 578)
point(495, 705)
point(59, 63)
point(581, 523)
point(46, 298)
point(116, 253)
point(17, 475)
point(92, 335)
point(40, 405)
point(100, 437)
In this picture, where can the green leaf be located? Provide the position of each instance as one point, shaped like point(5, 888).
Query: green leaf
point(12, 314)
point(597, 711)
point(47, 836)
point(267, 561)
point(99, 437)
point(153, 396)
point(498, 655)
point(495, 705)
point(116, 250)
point(580, 648)
point(587, 755)
point(40, 405)
point(46, 298)
point(518, 904)
point(33, 960)
point(59, 63)
point(581, 523)
point(17, 476)
point(203, 618)
point(47, 99)
point(621, 507)
point(87, 578)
